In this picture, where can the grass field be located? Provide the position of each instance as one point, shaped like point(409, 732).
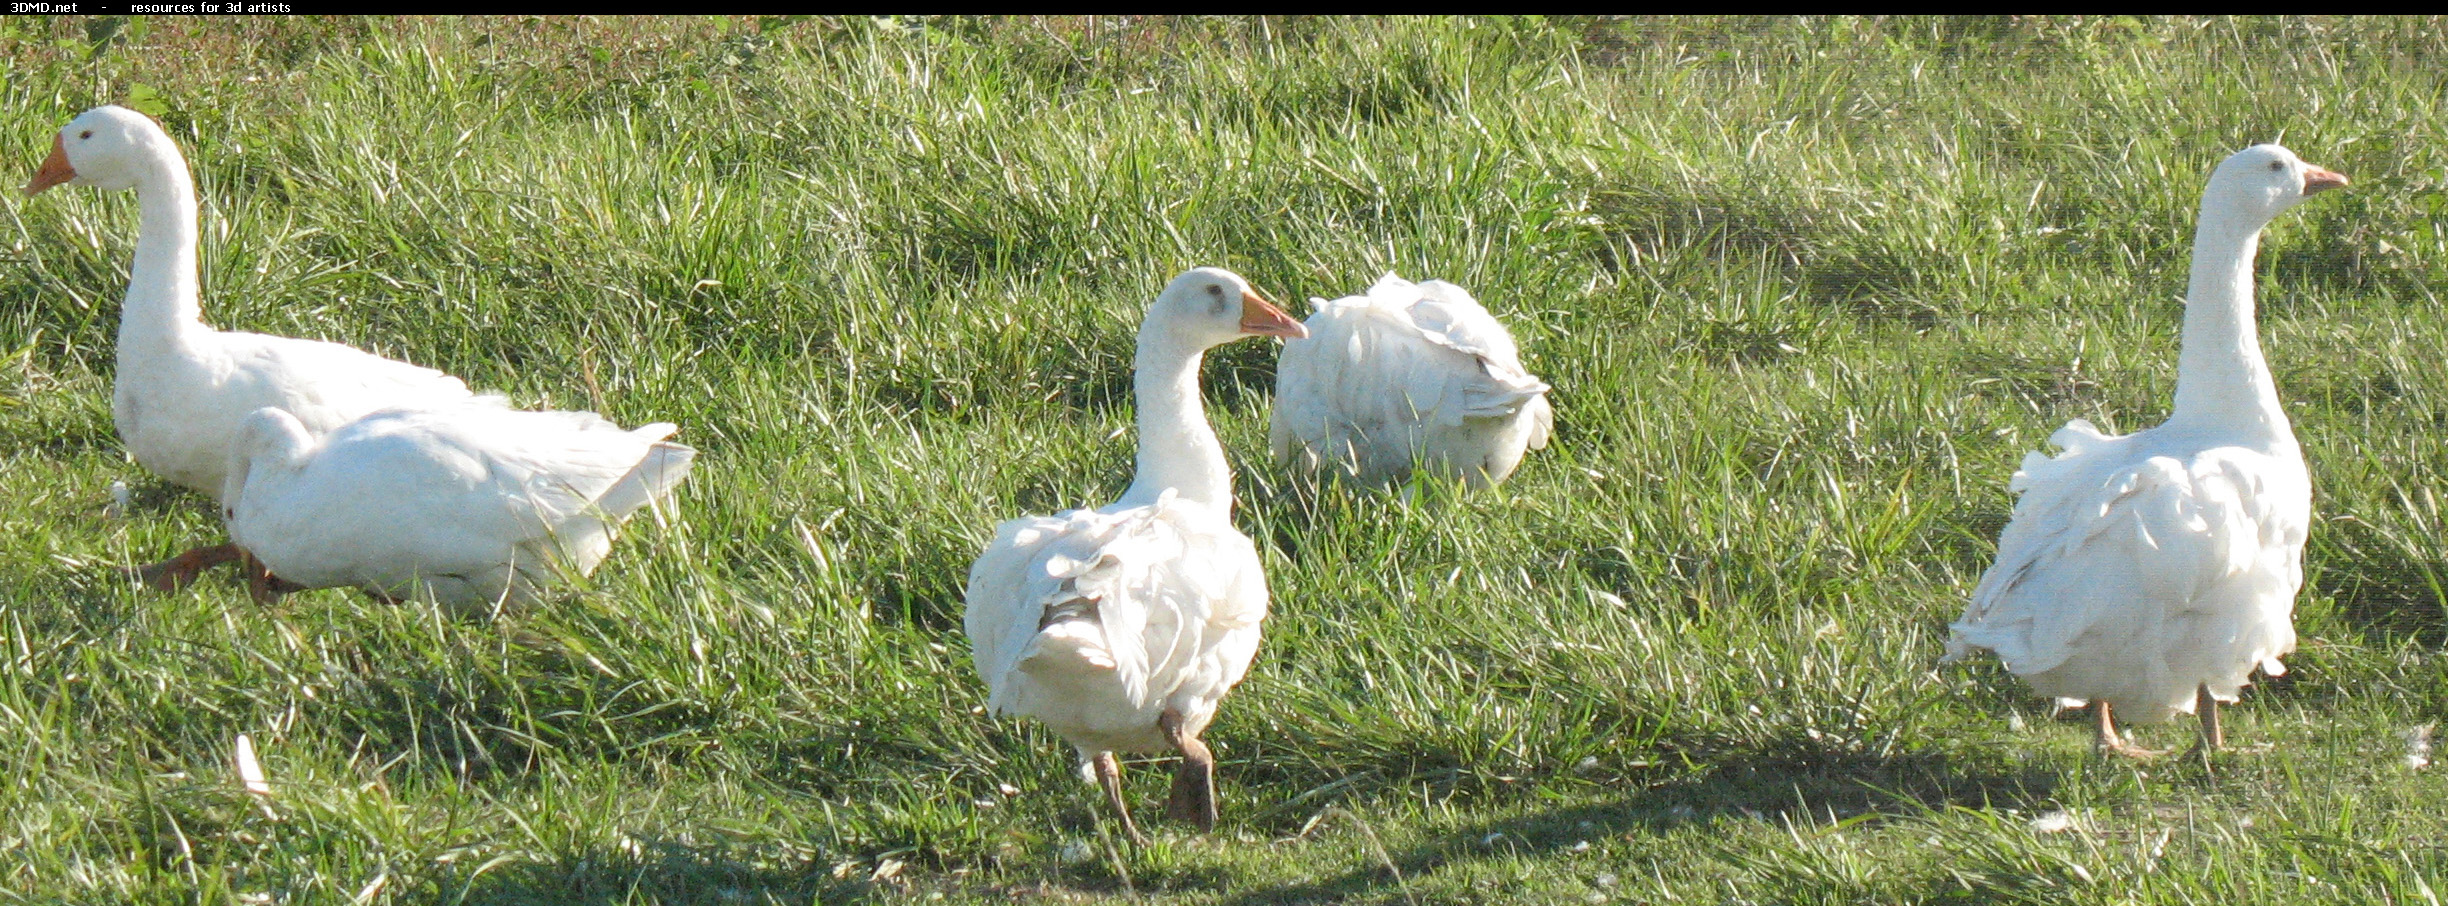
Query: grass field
point(1807, 291)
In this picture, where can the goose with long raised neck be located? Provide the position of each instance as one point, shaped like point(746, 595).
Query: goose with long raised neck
point(2149, 574)
point(182, 388)
point(1407, 376)
point(1122, 627)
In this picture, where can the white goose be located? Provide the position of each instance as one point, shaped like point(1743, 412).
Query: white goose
point(2150, 573)
point(1408, 373)
point(1122, 627)
point(479, 504)
point(183, 388)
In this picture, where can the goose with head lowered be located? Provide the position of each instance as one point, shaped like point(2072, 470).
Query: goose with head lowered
point(182, 389)
point(1407, 375)
point(478, 506)
point(2150, 573)
point(1122, 627)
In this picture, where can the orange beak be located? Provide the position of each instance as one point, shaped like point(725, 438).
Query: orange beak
point(1261, 317)
point(2319, 180)
point(55, 169)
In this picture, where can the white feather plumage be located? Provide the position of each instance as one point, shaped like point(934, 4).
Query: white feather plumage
point(1407, 373)
point(2138, 568)
point(2147, 570)
point(480, 504)
point(182, 388)
point(1114, 616)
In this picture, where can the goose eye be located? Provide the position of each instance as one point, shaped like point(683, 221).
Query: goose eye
point(85, 134)
point(2276, 166)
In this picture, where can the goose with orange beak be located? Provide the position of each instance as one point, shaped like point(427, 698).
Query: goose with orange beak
point(183, 389)
point(55, 170)
point(2149, 574)
point(1123, 627)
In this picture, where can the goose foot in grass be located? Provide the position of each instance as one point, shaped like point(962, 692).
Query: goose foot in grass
point(2111, 743)
point(262, 586)
point(1109, 776)
point(1193, 798)
point(2213, 739)
point(183, 570)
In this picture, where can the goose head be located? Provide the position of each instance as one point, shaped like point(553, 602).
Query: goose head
point(1207, 307)
point(268, 437)
point(108, 147)
point(2257, 183)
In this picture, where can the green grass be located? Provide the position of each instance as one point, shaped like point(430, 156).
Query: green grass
point(1807, 290)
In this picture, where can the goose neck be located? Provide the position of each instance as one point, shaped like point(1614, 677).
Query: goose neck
point(162, 297)
point(1178, 450)
point(2221, 379)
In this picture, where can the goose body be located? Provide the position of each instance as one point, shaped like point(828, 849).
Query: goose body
point(1407, 373)
point(182, 388)
point(478, 504)
point(1121, 628)
point(2152, 572)
point(1115, 616)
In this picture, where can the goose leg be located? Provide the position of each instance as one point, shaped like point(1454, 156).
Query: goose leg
point(2111, 744)
point(181, 571)
point(1109, 776)
point(1193, 798)
point(2213, 736)
point(262, 586)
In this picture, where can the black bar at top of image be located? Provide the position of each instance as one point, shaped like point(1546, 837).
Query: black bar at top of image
point(193, 8)
point(88, 8)
point(18, 8)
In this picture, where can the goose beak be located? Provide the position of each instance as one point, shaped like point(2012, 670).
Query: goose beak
point(55, 169)
point(1261, 317)
point(2319, 180)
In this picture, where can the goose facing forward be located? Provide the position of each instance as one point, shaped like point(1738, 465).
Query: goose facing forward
point(481, 506)
point(1407, 373)
point(2150, 573)
point(182, 389)
point(1122, 627)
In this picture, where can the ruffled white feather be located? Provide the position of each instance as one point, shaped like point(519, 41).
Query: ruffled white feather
point(2138, 568)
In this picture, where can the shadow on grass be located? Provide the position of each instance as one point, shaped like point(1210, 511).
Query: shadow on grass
point(1798, 783)
point(671, 871)
point(63, 605)
point(658, 871)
